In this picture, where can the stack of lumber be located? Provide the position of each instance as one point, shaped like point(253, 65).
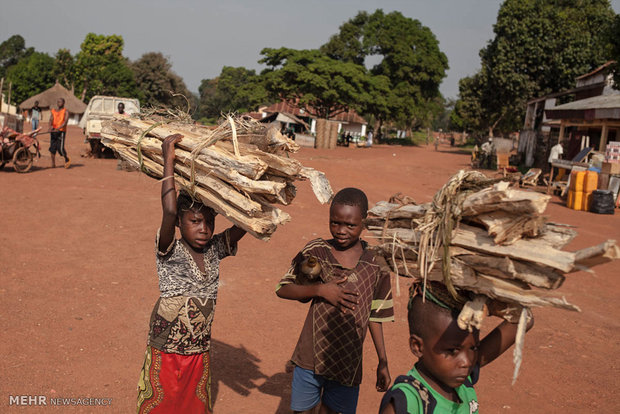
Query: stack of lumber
point(241, 169)
point(490, 240)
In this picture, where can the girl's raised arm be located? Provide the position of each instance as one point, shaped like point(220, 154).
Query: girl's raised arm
point(168, 193)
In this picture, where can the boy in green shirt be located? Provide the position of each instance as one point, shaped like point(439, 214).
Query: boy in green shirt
point(449, 358)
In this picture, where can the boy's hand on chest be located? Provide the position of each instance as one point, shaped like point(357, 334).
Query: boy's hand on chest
point(339, 295)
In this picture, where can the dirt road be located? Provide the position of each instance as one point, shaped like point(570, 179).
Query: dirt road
point(78, 284)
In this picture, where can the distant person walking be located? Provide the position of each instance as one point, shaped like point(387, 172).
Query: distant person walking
point(369, 139)
point(35, 115)
point(58, 130)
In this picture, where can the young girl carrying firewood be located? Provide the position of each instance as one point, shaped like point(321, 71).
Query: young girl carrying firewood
point(176, 376)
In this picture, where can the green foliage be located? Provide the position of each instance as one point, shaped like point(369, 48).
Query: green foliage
point(540, 46)
point(614, 48)
point(411, 61)
point(323, 86)
point(64, 68)
point(101, 69)
point(30, 76)
point(158, 84)
point(11, 51)
point(234, 90)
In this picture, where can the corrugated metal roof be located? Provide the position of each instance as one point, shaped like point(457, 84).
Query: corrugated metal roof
point(595, 71)
point(596, 102)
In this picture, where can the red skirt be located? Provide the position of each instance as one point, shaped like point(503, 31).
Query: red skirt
point(174, 383)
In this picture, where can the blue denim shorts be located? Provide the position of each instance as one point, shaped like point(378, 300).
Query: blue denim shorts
point(308, 387)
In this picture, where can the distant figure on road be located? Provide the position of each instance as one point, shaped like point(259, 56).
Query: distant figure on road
point(369, 139)
point(58, 130)
point(35, 115)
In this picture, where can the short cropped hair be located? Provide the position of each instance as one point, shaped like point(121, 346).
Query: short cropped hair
point(422, 316)
point(185, 202)
point(352, 197)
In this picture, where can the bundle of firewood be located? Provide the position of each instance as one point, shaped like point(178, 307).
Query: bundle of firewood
point(240, 168)
point(482, 237)
point(488, 245)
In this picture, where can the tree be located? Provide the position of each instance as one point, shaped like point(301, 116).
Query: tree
point(64, 68)
point(614, 49)
point(101, 69)
point(234, 90)
point(409, 57)
point(158, 84)
point(11, 51)
point(323, 86)
point(30, 76)
point(540, 46)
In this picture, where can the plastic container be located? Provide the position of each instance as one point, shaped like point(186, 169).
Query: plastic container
point(577, 179)
point(590, 181)
point(586, 201)
point(570, 200)
point(576, 200)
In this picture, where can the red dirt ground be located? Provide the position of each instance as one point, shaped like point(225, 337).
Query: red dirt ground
point(78, 284)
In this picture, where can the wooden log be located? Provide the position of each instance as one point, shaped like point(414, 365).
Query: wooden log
point(384, 209)
point(232, 176)
point(259, 227)
point(557, 235)
point(505, 268)
point(595, 255)
point(506, 228)
point(320, 185)
point(228, 193)
point(531, 250)
point(401, 235)
point(400, 250)
point(276, 164)
point(504, 290)
point(249, 165)
point(391, 223)
point(500, 197)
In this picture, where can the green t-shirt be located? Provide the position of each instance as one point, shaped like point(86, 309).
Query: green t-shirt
point(411, 394)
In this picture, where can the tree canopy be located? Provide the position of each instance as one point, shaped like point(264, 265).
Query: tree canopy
point(323, 86)
point(158, 85)
point(540, 46)
point(31, 75)
point(614, 48)
point(234, 90)
point(11, 51)
point(101, 69)
point(409, 58)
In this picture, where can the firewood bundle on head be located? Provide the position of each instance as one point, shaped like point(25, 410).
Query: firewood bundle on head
point(240, 169)
point(486, 243)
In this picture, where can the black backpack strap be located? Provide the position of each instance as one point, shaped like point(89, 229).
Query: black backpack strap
point(398, 399)
point(475, 375)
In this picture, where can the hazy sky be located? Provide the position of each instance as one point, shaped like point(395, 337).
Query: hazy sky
point(200, 37)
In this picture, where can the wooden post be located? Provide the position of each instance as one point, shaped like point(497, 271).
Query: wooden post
point(8, 101)
point(1, 87)
point(561, 136)
point(604, 133)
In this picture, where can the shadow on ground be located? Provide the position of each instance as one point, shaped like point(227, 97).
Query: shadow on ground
point(237, 368)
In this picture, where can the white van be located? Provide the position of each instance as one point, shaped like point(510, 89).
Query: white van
point(99, 109)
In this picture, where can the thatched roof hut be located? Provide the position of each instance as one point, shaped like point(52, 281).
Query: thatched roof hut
point(47, 101)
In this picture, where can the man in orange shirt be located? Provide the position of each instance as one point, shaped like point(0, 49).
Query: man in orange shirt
point(58, 130)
